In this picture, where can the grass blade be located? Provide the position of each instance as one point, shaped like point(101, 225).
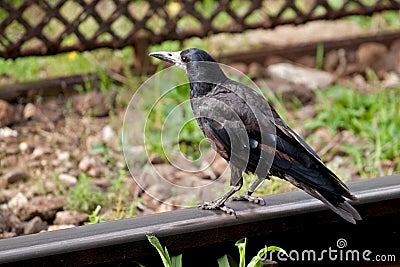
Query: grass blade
point(241, 244)
point(163, 253)
point(176, 261)
point(223, 261)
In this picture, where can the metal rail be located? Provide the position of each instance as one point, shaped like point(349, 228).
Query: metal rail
point(295, 51)
point(290, 220)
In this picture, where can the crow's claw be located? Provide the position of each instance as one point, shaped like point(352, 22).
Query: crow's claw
point(215, 205)
point(245, 197)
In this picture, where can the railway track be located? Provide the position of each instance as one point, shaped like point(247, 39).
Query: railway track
point(293, 221)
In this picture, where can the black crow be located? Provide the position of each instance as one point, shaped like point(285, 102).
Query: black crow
point(247, 131)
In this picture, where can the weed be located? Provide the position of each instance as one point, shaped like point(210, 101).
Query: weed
point(94, 217)
point(372, 117)
point(224, 261)
point(120, 198)
point(168, 261)
point(82, 197)
point(319, 58)
point(60, 189)
point(255, 261)
point(101, 150)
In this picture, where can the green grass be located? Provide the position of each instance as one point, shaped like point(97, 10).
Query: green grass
point(372, 117)
point(35, 68)
point(118, 199)
point(83, 197)
point(164, 134)
point(224, 261)
point(387, 20)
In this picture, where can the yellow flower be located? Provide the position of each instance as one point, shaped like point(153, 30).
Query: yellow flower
point(72, 55)
point(173, 8)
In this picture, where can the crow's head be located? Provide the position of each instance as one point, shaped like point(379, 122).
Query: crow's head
point(181, 58)
point(195, 54)
point(202, 70)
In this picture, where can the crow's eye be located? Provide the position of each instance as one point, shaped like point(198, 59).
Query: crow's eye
point(184, 59)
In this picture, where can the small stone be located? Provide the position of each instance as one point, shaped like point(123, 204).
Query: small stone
point(290, 91)
point(391, 80)
point(7, 235)
point(18, 201)
point(107, 135)
point(67, 180)
point(16, 175)
point(331, 61)
point(45, 207)
point(63, 155)
point(23, 147)
point(35, 225)
point(7, 132)
point(311, 78)
point(70, 217)
point(373, 56)
point(91, 104)
point(30, 111)
point(59, 227)
point(86, 163)
point(37, 153)
point(17, 225)
point(5, 224)
point(103, 182)
point(166, 171)
point(155, 195)
point(91, 166)
point(7, 113)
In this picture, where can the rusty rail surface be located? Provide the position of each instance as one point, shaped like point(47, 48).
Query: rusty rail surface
point(290, 220)
point(46, 27)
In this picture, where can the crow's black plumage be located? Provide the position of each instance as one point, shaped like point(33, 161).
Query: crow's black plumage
point(247, 131)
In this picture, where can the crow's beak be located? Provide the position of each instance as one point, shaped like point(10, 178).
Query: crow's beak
point(171, 57)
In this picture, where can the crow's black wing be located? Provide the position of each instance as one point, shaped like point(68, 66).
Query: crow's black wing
point(298, 163)
point(317, 173)
point(294, 159)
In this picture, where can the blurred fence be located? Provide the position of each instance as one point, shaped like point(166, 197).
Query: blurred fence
point(46, 27)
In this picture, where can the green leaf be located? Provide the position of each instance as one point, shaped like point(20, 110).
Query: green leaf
point(275, 248)
point(223, 261)
point(163, 254)
point(176, 261)
point(140, 265)
point(256, 260)
point(241, 244)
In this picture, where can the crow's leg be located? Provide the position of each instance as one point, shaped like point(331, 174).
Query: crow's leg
point(247, 195)
point(219, 203)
